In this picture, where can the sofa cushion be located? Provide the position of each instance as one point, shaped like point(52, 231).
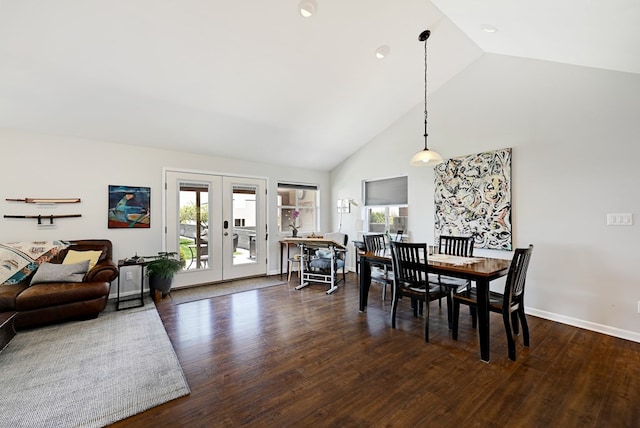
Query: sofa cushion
point(50, 272)
point(8, 294)
point(18, 260)
point(51, 294)
point(325, 264)
point(74, 256)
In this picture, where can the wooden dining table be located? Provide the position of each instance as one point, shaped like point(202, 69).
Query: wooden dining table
point(482, 271)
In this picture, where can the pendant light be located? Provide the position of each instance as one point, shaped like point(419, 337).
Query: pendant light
point(307, 8)
point(425, 157)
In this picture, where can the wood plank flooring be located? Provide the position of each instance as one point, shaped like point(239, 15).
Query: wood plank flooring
point(277, 357)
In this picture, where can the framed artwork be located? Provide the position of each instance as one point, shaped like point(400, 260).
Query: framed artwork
point(473, 197)
point(129, 207)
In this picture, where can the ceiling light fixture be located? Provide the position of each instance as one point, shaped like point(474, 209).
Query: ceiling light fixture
point(425, 157)
point(383, 51)
point(307, 8)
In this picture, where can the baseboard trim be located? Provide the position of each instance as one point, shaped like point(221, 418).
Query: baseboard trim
point(587, 325)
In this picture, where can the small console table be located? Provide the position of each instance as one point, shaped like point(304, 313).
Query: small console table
point(135, 297)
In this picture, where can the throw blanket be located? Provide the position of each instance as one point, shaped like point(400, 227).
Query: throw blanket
point(18, 260)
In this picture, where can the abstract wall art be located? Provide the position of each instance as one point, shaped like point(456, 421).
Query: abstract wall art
point(129, 207)
point(473, 197)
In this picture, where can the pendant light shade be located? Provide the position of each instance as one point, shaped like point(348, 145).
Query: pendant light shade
point(425, 157)
point(307, 8)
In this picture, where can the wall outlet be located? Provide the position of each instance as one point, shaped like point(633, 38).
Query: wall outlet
point(639, 306)
point(129, 277)
point(620, 219)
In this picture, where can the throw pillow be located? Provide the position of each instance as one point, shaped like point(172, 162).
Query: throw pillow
point(74, 256)
point(323, 254)
point(50, 272)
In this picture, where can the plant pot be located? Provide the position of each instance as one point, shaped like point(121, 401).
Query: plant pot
point(162, 284)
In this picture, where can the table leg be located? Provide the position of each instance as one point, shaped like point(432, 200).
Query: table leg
point(365, 282)
point(288, 256)
point(483, 318)
point(303, 253)
point(281, 250)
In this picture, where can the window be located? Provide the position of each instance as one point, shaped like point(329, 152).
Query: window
point(300, 197)
point(387, 206)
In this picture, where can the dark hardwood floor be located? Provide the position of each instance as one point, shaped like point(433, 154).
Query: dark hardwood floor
point(277, 357)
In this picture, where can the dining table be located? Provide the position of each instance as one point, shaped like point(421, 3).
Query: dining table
point(481, 270)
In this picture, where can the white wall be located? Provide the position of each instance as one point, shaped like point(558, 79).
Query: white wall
point(574, 133)
point(46, 166)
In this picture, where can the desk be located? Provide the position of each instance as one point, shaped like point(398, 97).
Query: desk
point(482, 272)
point(306, 277)
point(121, 264)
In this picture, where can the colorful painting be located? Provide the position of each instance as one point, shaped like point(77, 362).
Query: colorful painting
point(473, 197)
point(129, 207)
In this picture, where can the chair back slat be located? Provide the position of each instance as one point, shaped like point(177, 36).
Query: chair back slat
point(516, 278)
point(409, 263)
point(456, 245)
point(374, 242)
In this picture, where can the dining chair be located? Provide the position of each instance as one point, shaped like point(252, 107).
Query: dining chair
point(379, 272)
point(461, 246)
point(510, 303)
point(409, 261)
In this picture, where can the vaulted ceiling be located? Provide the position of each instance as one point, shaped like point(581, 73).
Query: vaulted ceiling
point(254, 80)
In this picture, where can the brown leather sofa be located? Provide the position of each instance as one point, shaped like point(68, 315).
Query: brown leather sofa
point(49, 303)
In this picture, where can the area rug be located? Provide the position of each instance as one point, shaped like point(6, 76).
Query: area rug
point(89, 373)
point(191, 294)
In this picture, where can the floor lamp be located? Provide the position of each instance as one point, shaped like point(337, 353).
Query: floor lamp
point(344, 206)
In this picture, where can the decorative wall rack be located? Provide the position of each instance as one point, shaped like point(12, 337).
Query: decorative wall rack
point(45, 217)
point(46, 200)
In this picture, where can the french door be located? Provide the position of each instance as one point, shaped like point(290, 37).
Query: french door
point(217, 224)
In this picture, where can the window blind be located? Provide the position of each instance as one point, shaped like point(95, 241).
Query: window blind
point(389, 191)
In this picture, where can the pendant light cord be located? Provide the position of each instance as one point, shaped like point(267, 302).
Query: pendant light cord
point(423, 37)
point(425, 95)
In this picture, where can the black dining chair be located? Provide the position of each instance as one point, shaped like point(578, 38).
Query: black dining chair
point(379, 272)
point(461, 246)
point(409, 261)
point(510, 303)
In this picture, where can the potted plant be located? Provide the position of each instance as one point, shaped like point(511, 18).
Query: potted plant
point(294, 226)
point(161, 271)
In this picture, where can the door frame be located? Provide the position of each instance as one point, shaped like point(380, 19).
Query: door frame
point(181, 279)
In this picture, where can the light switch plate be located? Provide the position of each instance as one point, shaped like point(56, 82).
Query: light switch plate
point(619, 219)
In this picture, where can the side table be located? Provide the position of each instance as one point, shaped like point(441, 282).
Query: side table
point(7, 330)
point(135, 297)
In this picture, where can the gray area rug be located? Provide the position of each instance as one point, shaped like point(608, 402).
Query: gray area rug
point(191, 294)
point(89, 373)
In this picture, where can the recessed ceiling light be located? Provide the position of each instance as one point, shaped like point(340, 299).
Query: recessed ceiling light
point(383, 51)
point(488, 28)
point(307, 8)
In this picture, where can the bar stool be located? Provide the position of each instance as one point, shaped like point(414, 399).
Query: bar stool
point(296, 259)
